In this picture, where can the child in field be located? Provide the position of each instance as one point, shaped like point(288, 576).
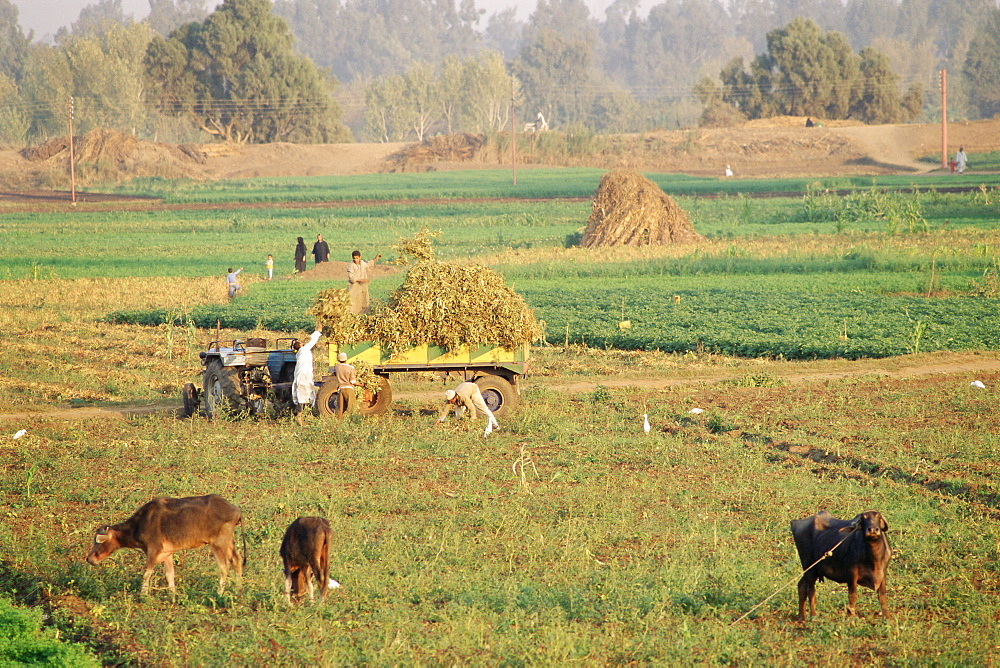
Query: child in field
point(232, 282)
point(269, 265)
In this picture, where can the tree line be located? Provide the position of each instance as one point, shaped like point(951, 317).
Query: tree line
point(388, 70)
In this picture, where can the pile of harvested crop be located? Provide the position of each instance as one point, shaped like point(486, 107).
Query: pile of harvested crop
point(631, 210)
point(447, 305)
point(440, 304)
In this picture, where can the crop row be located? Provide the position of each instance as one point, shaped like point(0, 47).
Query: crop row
point(759, 316)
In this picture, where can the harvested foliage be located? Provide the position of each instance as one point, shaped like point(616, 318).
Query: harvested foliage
point(367, 382)
point(418, 247)
point(631, 210)
point(448, 306)
point(332, 310)
point(439, 304)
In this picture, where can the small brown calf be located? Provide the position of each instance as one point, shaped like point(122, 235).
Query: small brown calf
point(861, 559)
point(305, 552)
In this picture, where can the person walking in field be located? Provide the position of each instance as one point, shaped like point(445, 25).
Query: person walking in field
point(232, 282)
point(347, 377)
point(357, 282)
point(960, 160)
point(300, 256)
point(269, 266)
point(467, 396)
point(303, 387)
point(321, 250)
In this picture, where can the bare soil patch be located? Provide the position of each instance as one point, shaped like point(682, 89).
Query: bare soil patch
point(765, 148)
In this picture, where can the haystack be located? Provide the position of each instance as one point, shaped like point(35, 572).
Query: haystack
point(631, 210)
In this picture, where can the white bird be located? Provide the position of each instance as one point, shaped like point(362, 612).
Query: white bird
point(20, 433)
point(696, 411)
point(333, 584)
point(645, 422)
point(978, 383)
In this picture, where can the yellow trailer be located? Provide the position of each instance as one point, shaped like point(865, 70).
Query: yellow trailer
point(493, 368)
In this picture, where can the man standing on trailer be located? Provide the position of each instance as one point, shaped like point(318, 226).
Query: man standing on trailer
point(357, 282)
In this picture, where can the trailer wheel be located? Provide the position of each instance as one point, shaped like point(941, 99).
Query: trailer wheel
point(499, 395)
point(375, 404)
point(328, 398)
point(190, 395)
point(221, 389)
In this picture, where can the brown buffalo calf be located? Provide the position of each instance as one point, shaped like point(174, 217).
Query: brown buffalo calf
point(164, 526)
point(861, 559)
point(305, 552)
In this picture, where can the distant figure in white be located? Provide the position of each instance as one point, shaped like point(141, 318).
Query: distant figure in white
point(960, 160)
point(303, 387)
point(540, 123)
point(729, 171)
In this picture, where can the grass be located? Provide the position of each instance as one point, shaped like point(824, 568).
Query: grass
point(624, 548)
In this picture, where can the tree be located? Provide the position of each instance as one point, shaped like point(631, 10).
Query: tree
point(810, 73)
point(14, 46)
point(421, 97)
point(237, 77)
point(555, 73)
point(107, 70)
point(487, 89)
point(385, 115)
point(14, 121)
point(879, 100)
point(165, 16)
point(982, 65)
point(95, 19)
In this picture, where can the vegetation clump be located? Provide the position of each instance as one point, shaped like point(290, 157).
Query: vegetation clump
point(439, 304)
point(631, 210)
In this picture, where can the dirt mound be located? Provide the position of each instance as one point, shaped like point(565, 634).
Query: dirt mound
point(102, 155)
point(337, 271)
point(462, 147)
point(631, 210)
point(798, 122)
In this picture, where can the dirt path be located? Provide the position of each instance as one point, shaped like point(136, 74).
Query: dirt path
point(968, 364)
point(890, 146)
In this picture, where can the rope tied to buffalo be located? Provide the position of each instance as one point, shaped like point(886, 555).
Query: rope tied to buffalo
point(804, 571)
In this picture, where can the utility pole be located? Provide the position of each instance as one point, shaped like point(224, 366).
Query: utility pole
point(72, 160)
point(944, 118)
point(513, 134)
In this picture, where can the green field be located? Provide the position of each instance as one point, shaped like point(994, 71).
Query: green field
point(569, 535)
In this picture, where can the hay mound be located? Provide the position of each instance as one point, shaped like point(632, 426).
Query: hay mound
point(110, 154)
point(631, 210)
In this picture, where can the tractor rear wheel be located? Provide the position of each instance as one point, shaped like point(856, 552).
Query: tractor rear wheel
point(221, 389)
point(377, 403)
point(499, 395)
point(327, 398)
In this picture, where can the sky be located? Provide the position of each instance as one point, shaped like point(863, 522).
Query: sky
point(45, 17)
